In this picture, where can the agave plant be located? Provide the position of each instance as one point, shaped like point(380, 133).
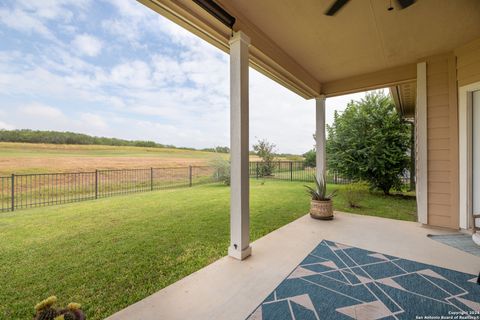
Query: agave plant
point(319, 193)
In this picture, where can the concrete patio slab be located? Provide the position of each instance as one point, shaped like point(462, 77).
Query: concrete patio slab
point(232, 289)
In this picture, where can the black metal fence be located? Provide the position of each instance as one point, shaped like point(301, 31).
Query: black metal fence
point(297, 171)
point(291, 170)
point(36, 190)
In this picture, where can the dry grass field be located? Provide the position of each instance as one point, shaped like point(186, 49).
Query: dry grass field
point(48, 174)
point(21, 158)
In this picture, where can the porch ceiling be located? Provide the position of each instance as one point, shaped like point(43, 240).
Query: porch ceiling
point(363, 46)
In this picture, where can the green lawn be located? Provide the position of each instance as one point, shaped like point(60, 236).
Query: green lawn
point(110, 253)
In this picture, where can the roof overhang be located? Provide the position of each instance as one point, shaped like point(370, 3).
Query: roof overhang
point(265, 55)
point(362, 47)
point(405, 95)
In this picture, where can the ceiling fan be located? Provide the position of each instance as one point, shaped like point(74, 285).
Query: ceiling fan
point(338, 4)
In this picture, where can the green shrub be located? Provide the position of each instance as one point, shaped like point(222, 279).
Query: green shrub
point(221, 171)
point(354, 193)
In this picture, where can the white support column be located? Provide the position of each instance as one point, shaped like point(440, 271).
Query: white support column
point(421, 144)
point(239, 157)
point(320, 136)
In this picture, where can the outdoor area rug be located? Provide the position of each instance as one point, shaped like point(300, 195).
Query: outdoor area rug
point(336, 281)
point(462, 242)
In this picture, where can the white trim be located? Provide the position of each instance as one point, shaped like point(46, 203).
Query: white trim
point(465, 153)
point(421, 144)
point(320, 136)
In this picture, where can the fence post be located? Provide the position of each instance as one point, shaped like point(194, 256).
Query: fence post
point(190, 175)
point(291, 171)
point(13, 192)
point(151, 179)
point(96, 184)
point(257, 168)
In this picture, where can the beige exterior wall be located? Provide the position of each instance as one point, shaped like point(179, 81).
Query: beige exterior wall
point(445, 74)
point(442, 132)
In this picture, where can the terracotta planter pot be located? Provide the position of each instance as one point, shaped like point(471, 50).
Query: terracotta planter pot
point(322, 210)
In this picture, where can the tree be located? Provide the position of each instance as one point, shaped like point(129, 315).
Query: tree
point(369, 141)
point(311, 155)
point(266, 151)
point(310, 158)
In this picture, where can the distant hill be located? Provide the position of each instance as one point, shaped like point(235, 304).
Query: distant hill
point(57, 137)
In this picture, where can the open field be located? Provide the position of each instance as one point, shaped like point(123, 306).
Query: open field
point(109, 253)
point(23, 158)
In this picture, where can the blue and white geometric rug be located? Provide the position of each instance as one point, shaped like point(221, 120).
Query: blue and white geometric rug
point(336, 281)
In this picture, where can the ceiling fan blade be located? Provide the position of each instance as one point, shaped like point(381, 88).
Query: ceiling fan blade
point(337, 5)
point(405, 3)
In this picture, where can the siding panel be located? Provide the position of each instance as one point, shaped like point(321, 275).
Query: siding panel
point(439, 112)
point(442, 141)
point(439, 154)
point(439, 176)
point(439, 220)
point(439, 198)
point(438, 144)
point(438, 122)
point(438, 133)
point(438, 187)
point(438, 165)
point(437, 100)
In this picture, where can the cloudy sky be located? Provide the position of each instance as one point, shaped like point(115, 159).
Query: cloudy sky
point(115, 68)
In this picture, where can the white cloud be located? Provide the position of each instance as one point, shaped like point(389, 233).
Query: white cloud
point(53, 9)
point(123, 29)
point(162, 111)
point(24, 22)
point(280, 116)
point(87, 45)
point(41, 111)
point(134, 74)
point(6, 126)
point(32, 16)
point(168, 69)
point(130, 8)
point(91, 120)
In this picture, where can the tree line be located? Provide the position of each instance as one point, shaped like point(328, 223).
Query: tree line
point(57, 137)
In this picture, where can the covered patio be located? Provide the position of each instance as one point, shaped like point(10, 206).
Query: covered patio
point(424, 50)
point(227, 289)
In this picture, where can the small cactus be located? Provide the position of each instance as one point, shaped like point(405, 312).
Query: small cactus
point(73, 306)
point(45, 311)
point(47, 303)
point(69, 316)
point(46, 314)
